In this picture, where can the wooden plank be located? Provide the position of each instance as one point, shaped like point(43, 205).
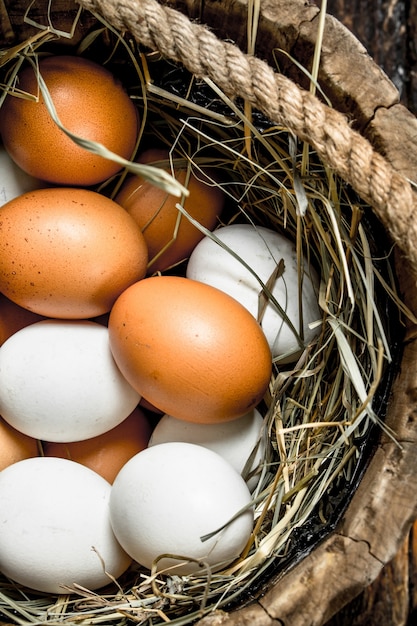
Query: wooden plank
point(392, 597)
point(388, 30)
point(381, 26)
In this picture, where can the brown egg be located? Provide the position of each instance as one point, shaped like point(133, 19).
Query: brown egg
point(14, 317)
point(189, 349)
point(15, 446)
point(67, 252)
point(89, 102)
point(107, 453)
point(169, 241)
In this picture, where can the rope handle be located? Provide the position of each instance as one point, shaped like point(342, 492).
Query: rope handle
point(238, 74)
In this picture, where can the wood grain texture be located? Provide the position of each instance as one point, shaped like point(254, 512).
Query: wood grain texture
point(388, 30)
point(382, 27)
point(391, 599)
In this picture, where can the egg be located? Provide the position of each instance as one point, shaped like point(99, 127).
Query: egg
point(168, 497)
point(13, 180)
point(14, 317)
point(15, 446)
point(169, 235)
point(55, 526)
point(59, 381)
point(89, 102)
point(262, 249)
point(67, 252)
point(239, 441)
point(107, 453)
point(189, 349)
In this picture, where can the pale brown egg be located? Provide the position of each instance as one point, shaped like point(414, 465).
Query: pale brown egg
point(15, 446)
point(189, 349)
point(68, 252)
point(89, 102)
point(170, 236)
point(14, 317)
point(107, 453)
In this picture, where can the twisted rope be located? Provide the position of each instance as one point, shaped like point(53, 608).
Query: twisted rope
point(327, 131)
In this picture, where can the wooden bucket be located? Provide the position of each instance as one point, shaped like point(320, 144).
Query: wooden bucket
point(385, 503)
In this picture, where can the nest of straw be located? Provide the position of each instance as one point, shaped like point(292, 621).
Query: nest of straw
point(324, 412)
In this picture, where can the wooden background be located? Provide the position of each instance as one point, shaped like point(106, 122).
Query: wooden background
point(388, 30)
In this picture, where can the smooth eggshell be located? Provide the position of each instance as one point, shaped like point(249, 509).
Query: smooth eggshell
point(170, 236)
point(89, 102)
point(15, 446)
point(59, 381)
point(235, 441)
point(169, 496)
point(55, 526)
point(107, 453)
point(68, 252)
point(189, 349)
point(262, 250)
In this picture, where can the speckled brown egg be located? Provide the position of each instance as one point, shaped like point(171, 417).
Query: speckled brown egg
point(169, 235)
point(67, 252)
point(189, 349)
point(89, 102)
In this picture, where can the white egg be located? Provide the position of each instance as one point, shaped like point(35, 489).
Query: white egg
point(13, 180)
point(55, 526)
point(236, 441)
point(167, 497)
point(59, 381)
point(261, 249)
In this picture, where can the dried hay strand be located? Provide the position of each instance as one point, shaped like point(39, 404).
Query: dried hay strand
point(297, 173)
